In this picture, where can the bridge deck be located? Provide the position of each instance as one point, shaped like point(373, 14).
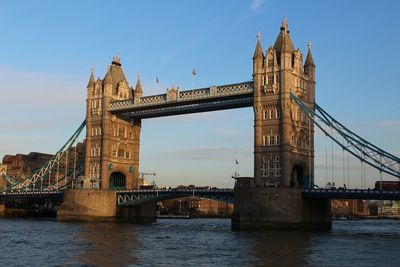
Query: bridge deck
point(351, 194)
point(137, 197)
point(226, 195)
point(176, 102)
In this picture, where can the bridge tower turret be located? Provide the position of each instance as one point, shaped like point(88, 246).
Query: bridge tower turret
point(283, 148)
point(112, 144)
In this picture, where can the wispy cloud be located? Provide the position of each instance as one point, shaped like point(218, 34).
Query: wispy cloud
point(40, 108)
point(256, 5)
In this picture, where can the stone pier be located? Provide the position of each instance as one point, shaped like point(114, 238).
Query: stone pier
point(101, 205)
point(278, 208)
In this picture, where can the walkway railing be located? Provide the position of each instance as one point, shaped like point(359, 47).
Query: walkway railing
point(174, 96)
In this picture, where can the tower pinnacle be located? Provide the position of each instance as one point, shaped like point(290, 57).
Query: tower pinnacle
point(138, 88)
point(108, 78)
point(258, 53)
point(284, 24)
point(91, 79)
point(116, 60)
point(309, 58)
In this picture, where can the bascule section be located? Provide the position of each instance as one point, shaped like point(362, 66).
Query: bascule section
point(283, 135)
point(112, 143)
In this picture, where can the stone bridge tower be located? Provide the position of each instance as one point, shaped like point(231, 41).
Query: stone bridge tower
point(283, 144)
point(112, 144)
point(283, 135)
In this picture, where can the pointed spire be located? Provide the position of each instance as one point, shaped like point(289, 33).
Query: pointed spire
point(138, 88)
point(91, 79)
point(309, 58)
point(116, 60)
point(283, 42)
point(108, 77)
point(258, 53)
point(284, 26)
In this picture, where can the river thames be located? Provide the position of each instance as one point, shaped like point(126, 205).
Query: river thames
point(196, 242)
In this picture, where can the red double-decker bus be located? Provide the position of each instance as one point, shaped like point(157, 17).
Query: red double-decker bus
point(387, 185)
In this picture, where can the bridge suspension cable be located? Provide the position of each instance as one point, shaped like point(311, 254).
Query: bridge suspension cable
point(46, 170)
point(365, 151)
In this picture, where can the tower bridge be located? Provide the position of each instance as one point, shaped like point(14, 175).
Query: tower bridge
point(282, 95)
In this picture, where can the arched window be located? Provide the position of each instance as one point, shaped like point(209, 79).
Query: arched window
point(278, 113)
point(121, 153)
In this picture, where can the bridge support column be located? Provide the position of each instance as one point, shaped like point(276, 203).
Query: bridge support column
point(101, 205)
point(144, 213)
point(278, 208)
point(83, 205)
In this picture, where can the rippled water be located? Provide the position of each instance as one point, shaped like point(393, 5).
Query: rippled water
point(197, 242)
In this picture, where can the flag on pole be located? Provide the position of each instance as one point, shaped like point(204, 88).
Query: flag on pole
point(157, 81)
point(194, 72)
point(237, 162)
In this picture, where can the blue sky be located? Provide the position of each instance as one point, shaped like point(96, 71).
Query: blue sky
point(48, 47)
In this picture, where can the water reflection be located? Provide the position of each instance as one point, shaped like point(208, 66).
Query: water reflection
point(280, 248)
point(106, 244)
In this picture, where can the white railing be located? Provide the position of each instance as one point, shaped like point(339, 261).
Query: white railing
point(175, 95)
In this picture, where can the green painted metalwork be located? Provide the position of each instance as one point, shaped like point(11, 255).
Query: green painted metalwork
point(28, 183)
point(355, 145)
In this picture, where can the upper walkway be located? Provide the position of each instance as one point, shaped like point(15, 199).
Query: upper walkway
point(176, 102)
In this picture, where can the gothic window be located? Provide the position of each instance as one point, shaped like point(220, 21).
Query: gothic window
point(127, 155)
point(272, 114)
point(120, 132)
point(121, 153)
point(270, 62)
point(266, 140)
point(113, 150)
point(278, 140)
point(278, 113)
point(272, 140)
point(265, 112)
point(270, 79)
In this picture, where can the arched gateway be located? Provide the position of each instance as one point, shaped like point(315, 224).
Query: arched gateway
point(117, 181)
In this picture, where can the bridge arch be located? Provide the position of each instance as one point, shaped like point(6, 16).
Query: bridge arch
point(117, 181)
